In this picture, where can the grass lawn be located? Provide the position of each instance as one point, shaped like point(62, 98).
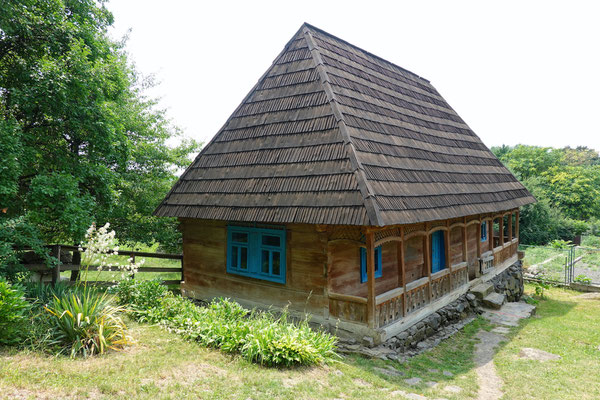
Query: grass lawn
point(554, 269)
point(567, 324)
point(163, 366)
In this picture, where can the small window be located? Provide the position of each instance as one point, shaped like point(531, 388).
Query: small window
point(484, 231)
point(256, 252)
point(438, 251)
point(363, 264)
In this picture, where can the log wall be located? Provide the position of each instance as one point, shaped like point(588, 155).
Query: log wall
point(205, 249)
point(323, 268)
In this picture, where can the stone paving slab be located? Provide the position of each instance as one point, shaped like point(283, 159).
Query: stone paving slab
point(537, 354)
point(510, 313)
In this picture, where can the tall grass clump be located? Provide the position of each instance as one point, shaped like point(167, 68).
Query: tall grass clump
point(86, 322)
point(258, 336)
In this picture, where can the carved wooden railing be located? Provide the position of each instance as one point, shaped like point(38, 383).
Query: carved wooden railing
point(460, 275)
point(440, 284)
point(417, 294)
point(505, 252)
point(389, 307)
point(347, 307)
point(487, 262)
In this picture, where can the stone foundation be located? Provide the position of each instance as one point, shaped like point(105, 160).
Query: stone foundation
point(463, 307)
point(510, 282)
point(440, 324)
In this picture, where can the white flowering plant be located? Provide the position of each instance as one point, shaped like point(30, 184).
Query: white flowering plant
point(96, 250)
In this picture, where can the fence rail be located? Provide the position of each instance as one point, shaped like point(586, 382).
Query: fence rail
point(571, 265)
point(75, 266)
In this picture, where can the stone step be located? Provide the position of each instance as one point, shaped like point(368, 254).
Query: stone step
point(494, 300)
point(482, 290)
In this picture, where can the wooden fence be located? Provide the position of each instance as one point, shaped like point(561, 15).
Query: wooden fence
point(75, 265)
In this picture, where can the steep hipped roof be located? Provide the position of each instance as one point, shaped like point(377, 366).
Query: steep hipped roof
point(332, 134)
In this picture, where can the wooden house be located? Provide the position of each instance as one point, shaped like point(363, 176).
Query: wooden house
point(344, 186)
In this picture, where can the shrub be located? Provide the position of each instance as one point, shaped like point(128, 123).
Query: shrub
point(85, 322)
point(14, 313)
point(140, 296)
point(583, 279)
point(560, 244)
point(40, 294)
point(258, 336)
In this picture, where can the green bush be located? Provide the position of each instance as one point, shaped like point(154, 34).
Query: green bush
point(583, 279)
point(14, 313)
point(85, 322)
point(41, 294)
point(258, 336)
point(139, 296)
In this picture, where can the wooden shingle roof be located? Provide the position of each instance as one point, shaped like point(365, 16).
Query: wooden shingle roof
point(332, 134)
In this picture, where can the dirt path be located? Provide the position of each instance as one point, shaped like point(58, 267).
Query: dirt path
point(490, 383)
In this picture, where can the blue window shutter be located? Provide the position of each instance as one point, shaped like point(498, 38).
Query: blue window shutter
point(484, 231)
point(363, 265)
point(378, 264)
point(438, 252)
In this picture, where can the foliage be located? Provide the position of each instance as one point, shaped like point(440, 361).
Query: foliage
point(80, 141)
point(583, 279)
point(16, 236)
point(140, 297)
point(41, 294)
point(574, 190)
point(527, 161)
point(14, 310)
point(540, 288)
point(58, 197)
point(560, 244)
point(258, 336)
point(85, 322)
point(566, 183)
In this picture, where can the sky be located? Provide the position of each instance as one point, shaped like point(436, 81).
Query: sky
point(518, 72)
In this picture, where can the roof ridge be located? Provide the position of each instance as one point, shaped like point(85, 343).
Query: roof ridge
point(309, 26)
point(364, 186)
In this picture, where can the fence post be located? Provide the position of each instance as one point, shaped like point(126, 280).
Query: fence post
point(182, 275)
point(133, 262)
point(56, 270)
point(76, 261)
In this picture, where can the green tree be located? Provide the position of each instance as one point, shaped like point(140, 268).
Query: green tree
point(575, 190)
point(528, 161)
point(579, 156)
point(80, 141)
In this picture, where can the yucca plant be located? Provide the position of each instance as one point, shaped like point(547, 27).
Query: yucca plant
point(86, 323)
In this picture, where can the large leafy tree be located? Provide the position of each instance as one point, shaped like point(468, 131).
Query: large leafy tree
point(566, 183)
point(79, 141)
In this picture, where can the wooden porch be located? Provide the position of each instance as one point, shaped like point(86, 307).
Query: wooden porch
point(468, 259)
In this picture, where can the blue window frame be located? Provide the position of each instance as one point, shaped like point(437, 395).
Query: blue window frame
point(438, 251)
point(484, 231)
point(363, 264)
point(256, 253)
